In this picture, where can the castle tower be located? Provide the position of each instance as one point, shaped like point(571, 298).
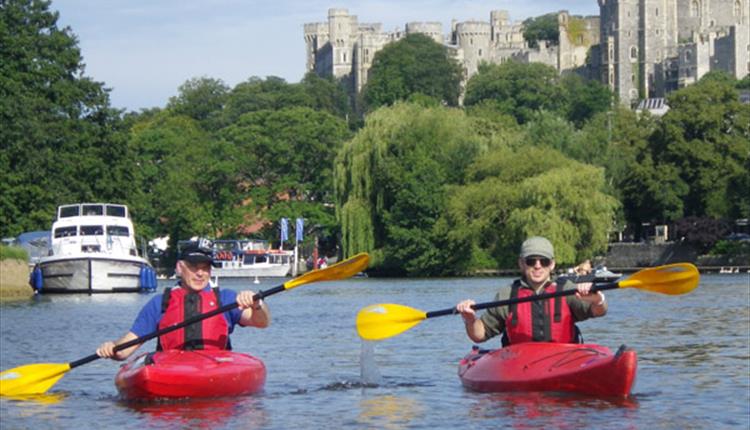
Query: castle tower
point(473, 39)
point(342, 29)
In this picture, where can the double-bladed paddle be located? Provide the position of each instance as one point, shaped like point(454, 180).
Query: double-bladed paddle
point(381, 321)
point(38, 378)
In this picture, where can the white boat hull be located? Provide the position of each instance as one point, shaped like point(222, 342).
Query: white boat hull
point(259, 270)
point(91, 274)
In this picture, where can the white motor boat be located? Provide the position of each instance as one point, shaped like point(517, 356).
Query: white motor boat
point(93, 250)
point(248, 258)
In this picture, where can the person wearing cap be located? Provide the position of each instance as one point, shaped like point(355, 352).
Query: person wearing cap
point(550, 320)
point(192, 295)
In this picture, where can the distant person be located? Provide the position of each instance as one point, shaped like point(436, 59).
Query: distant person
point(192, 295)
point(584, 268)
point(322, 262)
point(550, 320)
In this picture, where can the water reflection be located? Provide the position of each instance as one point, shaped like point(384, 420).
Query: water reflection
point(550, 410)
point(247, 412)
point(389, 412)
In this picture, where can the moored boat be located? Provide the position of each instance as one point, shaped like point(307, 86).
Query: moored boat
point(93, 250)
point(540, 366)
point(250, 258)
point(190, 374)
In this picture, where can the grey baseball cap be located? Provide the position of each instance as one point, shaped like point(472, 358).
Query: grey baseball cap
point(538, 246)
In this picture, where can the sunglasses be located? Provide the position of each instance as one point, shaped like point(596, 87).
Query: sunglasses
point(531, 261)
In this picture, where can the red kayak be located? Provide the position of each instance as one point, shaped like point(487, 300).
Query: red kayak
point(200, 373)
point(541, 366)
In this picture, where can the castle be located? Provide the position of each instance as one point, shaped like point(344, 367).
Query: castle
point(639, 48)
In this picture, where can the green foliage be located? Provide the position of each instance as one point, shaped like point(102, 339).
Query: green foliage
point(201, 99)
point(543, 27)
point(415, 64)
point(516, 89)
point(583, 99)
point(731, 248)
point(60, 140)
point(391, 180)
point(513, 194)
point(706, 136)
point(13, 253)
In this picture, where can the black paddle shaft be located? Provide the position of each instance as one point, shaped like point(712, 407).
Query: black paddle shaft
point(543, 296)
point(192, 320)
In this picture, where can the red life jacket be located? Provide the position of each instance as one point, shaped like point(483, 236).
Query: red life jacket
point(179, 304)
point(539, 321)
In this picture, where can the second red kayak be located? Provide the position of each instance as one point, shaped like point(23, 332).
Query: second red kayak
point(200, 373)
point(540, 366)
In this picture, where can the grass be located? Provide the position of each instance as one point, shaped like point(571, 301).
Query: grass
point(13, 253)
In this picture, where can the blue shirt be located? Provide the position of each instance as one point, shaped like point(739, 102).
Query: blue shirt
point(148, 318)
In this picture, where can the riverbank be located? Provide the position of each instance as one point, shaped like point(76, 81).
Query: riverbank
point(14, 280)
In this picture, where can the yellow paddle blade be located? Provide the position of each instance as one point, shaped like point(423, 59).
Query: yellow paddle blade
point(341, 270)
point(672, 279)
point(31, 378)
point(377, 322)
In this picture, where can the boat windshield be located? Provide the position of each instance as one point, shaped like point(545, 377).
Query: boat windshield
point(70, 211)
point(116, 210)
point(93, 210)
point(92, 230)
point(66, 231)
point(117, 230)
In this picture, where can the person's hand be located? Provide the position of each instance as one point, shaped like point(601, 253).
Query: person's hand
point(466, 310)
point(584, 294)
point(245, 300)
point(106, 350)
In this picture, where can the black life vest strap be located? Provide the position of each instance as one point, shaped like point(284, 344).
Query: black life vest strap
point(558, 303)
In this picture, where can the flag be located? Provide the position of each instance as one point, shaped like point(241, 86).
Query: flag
point(299, 229)
point(284, 229)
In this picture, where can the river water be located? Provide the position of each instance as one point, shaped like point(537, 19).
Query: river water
point(693, 369)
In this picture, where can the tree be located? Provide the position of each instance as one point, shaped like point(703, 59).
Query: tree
point(285, 162)
point(706, 137)
point(512, 194)
point(584, 98)
point(516, 89)
point(60, 141)
point(414, 64)
point(391, 180)
point(543, 27)
point(201, 99)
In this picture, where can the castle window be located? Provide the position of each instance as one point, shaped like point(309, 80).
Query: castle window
point(695, 8)
point(611, 78)
point(688, 55)
point(343, 57)
point(471, 41)
point(611, 54)
point(480, 52)
point(633, 52)
point(657, 11)
point(737, 9)
point(632, 78)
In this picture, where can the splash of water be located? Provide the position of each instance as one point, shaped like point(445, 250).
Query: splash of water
point(368, 368)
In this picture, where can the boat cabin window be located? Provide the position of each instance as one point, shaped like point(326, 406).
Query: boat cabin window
point(91, 230)
point(66, 231)
point(118, 211)
point(117, 230)
point(93, 210)
point(69, 211)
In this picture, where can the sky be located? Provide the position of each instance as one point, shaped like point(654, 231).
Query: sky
point(143, 50)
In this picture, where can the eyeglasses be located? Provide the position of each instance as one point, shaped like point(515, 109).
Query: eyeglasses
point(531, 261)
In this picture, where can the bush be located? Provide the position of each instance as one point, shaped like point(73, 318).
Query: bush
point(13, 252)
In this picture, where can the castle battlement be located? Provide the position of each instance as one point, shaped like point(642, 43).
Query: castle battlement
point(640, 49)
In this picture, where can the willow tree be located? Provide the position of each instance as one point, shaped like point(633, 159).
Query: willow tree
point(513, 194)
point(391, 181)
